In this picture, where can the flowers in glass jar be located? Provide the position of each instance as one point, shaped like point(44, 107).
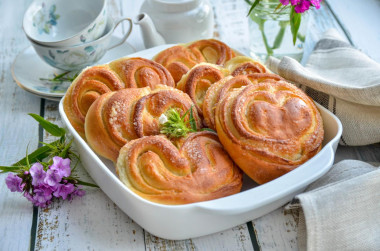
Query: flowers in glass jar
point(297, 7)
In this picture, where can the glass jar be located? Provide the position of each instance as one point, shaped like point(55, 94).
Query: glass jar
point(270, 33)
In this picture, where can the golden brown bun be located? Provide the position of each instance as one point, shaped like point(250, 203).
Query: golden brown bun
point(196, 82)
point(178, 60)
point(118, 117)
point(218, 90)
point(140, 72)
point(214, 51)
point(119, 74)
point(242, 65)
point(195, 169)
point(86, 88)
point(269, 128)
point(109, 121)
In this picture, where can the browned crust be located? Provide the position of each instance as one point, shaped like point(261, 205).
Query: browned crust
point(269, 128)
point(198, 169)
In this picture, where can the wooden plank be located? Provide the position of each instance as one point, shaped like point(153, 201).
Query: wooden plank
point(17, 129)
point(236, 238)
point(361, 20)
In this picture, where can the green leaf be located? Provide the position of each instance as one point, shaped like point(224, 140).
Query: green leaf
point(79, 182)
point(13, 169)
point(36, 156)
point(253, 6)
point(295, 22)
point(48, 126)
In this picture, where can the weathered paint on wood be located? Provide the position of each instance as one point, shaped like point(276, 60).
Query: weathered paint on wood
point(17, 130)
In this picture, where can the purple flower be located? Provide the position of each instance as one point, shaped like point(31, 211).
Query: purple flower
point(295, 2)
point(302, 6)
point(38, 174)
point(316, 3)
point(42, 194)
point(14, 183)
point(62, 166)
point(79, 192)
point(284, 2)
point(64, 190)
point(53, 178)
point(28, 196)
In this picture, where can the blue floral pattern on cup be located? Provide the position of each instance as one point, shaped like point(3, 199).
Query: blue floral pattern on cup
point(45, 19)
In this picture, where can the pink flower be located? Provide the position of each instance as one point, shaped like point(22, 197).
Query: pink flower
point(302, 6)
point(38, 174)
point(284, 2)
point(53, 178)
point(14, 183)
point(62, 166)
point(295, 2)
point(79, 192)
point(64, 190)
point(42, 196)
point(316, 3)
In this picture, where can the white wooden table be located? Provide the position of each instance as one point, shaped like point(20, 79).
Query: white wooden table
point(94, 222)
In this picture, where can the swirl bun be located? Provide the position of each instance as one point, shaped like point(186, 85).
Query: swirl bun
point(195, 169)
point(86, 88)
point(109, 121)
point(115, 118)
point(178, 60)
point(119, 74)
point(214, 51)
point(140, 72)
point(269, 128)
point(218, 90)
point(242, 65)
point(196, 82)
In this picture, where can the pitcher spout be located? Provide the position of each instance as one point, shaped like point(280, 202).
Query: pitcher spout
point(149, 33)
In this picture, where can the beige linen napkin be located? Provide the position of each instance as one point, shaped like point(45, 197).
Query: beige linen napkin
point(340, 211)
point(342, 79)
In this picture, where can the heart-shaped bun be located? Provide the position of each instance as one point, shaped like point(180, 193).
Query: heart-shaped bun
point(94, 81)
point(115, 118)
point(269, 128)
point(195, 169)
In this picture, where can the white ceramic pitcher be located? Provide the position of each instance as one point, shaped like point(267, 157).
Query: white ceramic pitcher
point(175, 21)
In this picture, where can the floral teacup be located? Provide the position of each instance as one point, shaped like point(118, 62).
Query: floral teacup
point(79, 56)
point(65, 22)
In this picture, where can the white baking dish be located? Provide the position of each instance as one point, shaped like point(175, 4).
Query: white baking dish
point(197, 219)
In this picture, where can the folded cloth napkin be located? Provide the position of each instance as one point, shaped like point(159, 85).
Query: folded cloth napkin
point(342, 79)
point(340, 211)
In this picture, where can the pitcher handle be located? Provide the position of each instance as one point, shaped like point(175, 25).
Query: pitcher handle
point(122, 40)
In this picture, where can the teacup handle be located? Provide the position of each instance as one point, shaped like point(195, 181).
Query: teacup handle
point(126, 35)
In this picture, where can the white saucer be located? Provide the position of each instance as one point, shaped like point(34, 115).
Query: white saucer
point(28, 68)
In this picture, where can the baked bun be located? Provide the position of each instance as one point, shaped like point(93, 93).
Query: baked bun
point(115, 118)
point(109, 121)
point(140, 72)
point(214, 51)
point(269, 128)
point(85, 89)
point(196, 82)
point(178, 60)
point(242, 65)
point(218, 90)
point(119, 74)
point(195, 169)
